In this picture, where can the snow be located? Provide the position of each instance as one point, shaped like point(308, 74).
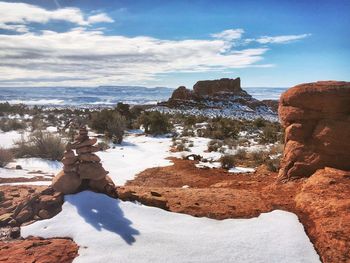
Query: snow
point(7, 138)
point(134, 155)
point(109, 230)
point(51, 129)
point(37, 164)
point(210, 165)
point(239, 169)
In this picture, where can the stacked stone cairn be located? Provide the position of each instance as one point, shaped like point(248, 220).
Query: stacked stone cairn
point(82, 168)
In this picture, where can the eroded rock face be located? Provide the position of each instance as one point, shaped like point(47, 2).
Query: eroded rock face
point(316, 118)
point(181, 93)
point(324, 202)
point(211, 87)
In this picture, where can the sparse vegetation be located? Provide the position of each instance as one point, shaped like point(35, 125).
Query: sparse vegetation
point(227, 161)
point(40, 144)
point(6, 156)
point(154, 122)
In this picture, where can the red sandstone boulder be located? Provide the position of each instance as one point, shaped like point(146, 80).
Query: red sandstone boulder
point(92, 171)
point(316, 118)
point(89, 157)
point(66, 183)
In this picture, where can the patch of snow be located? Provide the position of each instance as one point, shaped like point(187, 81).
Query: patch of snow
point(238, 169)
point(109, 230)
point(134, 155)
point(37, 164)
point(208, 165)
point(7, 138)
point(51, 129)
point(185, 186)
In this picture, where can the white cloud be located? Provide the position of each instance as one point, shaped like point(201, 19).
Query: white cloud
point(230, 34)
point(100, 18)
point(86, 56)
point(14, 16)
point(279, 39)
point(83, 57)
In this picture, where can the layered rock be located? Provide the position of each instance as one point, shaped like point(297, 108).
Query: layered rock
point(316, 118)
point(217, 98)
point(211, 87)
point(82, 168)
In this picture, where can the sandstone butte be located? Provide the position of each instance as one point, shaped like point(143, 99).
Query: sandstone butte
point(315, 117)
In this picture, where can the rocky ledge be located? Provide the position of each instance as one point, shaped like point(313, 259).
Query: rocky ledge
point(217, 98)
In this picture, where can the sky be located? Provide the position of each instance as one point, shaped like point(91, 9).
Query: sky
point(267, 43)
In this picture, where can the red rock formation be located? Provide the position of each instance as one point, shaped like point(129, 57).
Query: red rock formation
point(316, 118)
point(211, 87)
point(38, 250)
point(324, 205)
point(181, 93)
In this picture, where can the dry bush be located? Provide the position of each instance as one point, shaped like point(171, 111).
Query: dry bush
point(241, 154)
point(214, 145)
point(227, 161)
point(40, 144)
point(6, 156)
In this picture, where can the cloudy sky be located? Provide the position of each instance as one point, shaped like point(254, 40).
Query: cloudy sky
point(171, 43)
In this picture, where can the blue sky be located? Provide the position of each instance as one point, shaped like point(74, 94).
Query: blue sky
point(173, 43)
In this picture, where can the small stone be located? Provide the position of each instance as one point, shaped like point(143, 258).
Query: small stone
point(87, 149)
point(44, 214)
point(89, 157)
point(15, 232)
point(100, 185)
point(70, 168)
point(66, 183)
point(88, 142)
point(92, 171)
point(18, 167)
point(5, 218)
point(69, 161)
point(25, 215)
point(69, 154)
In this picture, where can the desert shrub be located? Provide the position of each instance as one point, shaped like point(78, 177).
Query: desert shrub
point(241, 154)
point(231, 143)
point(221, 128)
point(227, 161)
point(40, 144)
point(103, 146)
point(12, 125)
point(258, 157)
point(214, 145)
point(182, 147)
point(271, 133)
point(109, 122)
point(6, 156)
point(37, 123)
point(155, 122)
point(273, 164)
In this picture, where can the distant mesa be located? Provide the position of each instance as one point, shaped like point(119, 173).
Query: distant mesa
point(218, 98)
point(209, 88)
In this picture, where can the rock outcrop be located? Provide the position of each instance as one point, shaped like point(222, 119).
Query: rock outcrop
point(58, 250)
point(82, 168)
point(316, 118)
point(217, 98)
point(26, 204)
point(211, 87)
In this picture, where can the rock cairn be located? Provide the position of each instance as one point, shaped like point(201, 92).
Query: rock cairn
point(82, 168)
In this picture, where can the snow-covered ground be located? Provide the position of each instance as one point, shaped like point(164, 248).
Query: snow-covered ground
point(135, 154)
point(109, 230)
point(7, 139)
